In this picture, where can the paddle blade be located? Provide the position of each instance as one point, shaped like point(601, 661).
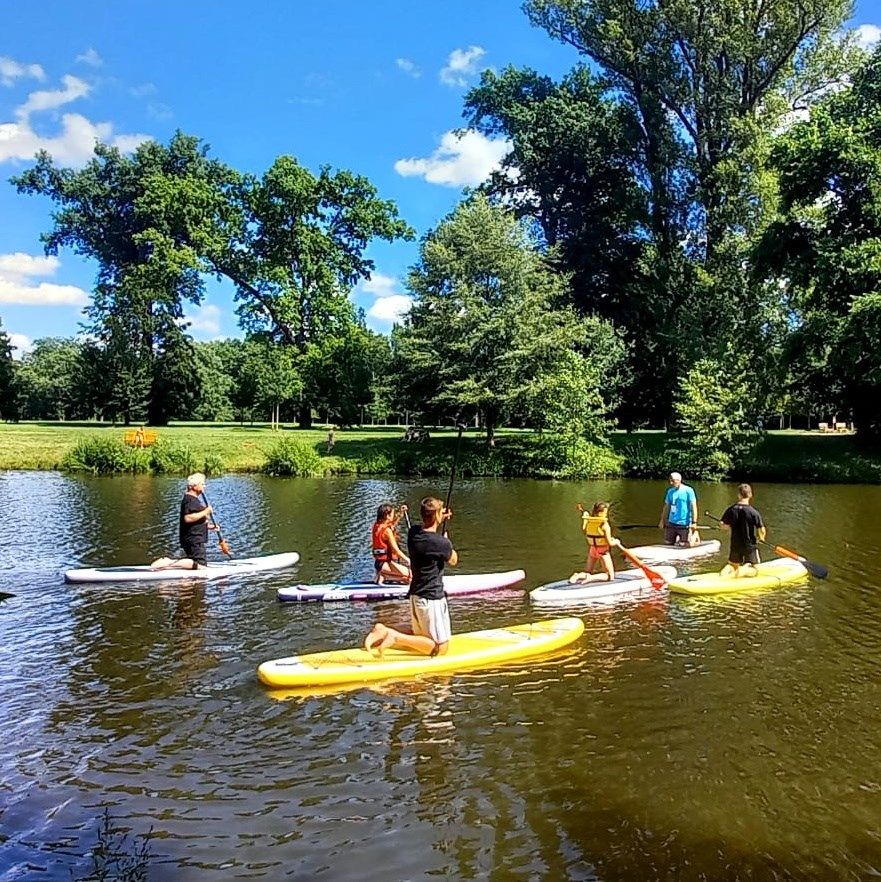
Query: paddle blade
point(657, 580)
point(815, 569)
point(637, 527)
point(224, 547)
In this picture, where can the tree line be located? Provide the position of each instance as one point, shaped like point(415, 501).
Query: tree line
point(686, 231)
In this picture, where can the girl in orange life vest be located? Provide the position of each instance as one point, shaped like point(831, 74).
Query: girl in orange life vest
point(600, 541)
point(388, 559)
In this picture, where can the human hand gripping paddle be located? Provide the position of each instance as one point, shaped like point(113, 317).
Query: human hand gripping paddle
point(224, 545)
point(814, 568)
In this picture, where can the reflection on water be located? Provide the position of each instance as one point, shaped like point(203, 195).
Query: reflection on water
point(679, 739)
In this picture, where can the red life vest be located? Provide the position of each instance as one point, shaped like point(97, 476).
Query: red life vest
point(382, 548)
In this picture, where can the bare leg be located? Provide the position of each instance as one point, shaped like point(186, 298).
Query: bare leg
point(382, 637)
point(170, 563)
point(398, 571)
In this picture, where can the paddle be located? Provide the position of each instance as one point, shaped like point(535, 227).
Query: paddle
point(814, 568)
point(657, 580)
point(224, 545)
point(452, 477)
point(655, 527)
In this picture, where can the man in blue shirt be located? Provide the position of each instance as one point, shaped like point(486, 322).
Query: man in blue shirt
point(679, 516)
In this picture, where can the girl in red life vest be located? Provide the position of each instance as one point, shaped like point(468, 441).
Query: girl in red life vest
point(388, 559)
point(598, 533)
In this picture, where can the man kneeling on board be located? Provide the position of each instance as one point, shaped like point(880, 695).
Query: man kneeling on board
point(747, 530)
point(429, 551)
point(194, 527)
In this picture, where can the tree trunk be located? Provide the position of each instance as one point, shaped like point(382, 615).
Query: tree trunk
point(304, 416)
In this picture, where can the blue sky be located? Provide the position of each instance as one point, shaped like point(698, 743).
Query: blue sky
point(375, 87)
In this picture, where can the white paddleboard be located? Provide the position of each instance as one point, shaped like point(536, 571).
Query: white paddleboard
point(470, 583)
point(626, 583)
point(663, 553)
point(235, 567)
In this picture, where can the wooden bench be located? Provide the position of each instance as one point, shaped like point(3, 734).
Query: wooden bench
point(841, 427)
point(823, 427)
point(140, 438)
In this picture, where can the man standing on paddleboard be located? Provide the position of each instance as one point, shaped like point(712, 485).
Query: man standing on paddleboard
point(429, 551)
point(679, 515)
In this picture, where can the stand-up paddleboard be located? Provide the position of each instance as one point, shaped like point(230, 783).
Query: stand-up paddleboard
point(469, 650)
point(771, 574)
point(675, 553)
point(628, 583)
point(472, 583)
point(237, 567)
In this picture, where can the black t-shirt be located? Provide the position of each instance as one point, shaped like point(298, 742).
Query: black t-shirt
point(197, 532)
point(428, 552)
point(745, 522)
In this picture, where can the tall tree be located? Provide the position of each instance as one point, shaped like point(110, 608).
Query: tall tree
point(486, 334)
point(116, 210)
point(8, 394)
point(824, 251)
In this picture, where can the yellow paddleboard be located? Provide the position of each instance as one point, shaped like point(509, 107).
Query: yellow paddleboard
point(772, 574)
point(470, 650)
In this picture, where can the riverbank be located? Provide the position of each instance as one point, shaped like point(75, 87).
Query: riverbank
point(786, 456)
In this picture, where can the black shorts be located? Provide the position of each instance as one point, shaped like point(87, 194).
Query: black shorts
point(196, 552)
point(738, 556)
point(676, 533)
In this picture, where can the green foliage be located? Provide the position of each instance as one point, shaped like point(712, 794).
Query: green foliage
point(9, 407)
point(712, 408)
point(115, 857)
point(101, 455)
point(486, 334)
point(171, 457)
point(290, 457)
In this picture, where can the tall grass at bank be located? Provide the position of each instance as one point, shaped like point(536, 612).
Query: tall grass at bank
point(105, 455)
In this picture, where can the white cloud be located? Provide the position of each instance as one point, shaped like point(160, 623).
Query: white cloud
point(205, 320)
point(73, 146)
point(90, 57)
point(390, 305)
point(18, 265)
point(409, 67)
point(21, 345)
point(11, 70)
point(462, 159)
point(17, 285)
point(461, 65)
point(868, 36)
point(380, 285)
point(49, 99)
point(390, 309)
point(143, 90)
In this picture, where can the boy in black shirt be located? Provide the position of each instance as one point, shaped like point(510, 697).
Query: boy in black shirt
point(747, 530)
point(429, 550)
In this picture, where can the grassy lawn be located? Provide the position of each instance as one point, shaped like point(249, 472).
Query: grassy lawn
point(781, 455)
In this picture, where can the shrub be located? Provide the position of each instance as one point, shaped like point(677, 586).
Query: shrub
point(102, 455)
point(375, 462)
point(294, 458)
point(214, 464)
point(169, 457)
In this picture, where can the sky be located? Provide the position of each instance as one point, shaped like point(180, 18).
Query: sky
point(375, 87)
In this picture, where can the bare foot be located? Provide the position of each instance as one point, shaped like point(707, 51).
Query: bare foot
point(161, 563)
point(380, 638)
point(575, 578)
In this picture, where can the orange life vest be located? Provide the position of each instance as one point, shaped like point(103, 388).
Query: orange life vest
point(382, 548)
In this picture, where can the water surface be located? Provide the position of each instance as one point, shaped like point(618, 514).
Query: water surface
point(687, 739)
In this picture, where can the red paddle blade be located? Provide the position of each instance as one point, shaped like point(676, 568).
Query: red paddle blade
point(224, 547)
point(657, 580)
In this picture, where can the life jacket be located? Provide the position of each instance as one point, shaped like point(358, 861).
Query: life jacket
point(382, 549)
point(592, 527)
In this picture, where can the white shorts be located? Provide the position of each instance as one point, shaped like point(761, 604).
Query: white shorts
point(431, 618)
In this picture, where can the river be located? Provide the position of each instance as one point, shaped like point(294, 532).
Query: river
point(681, 738)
